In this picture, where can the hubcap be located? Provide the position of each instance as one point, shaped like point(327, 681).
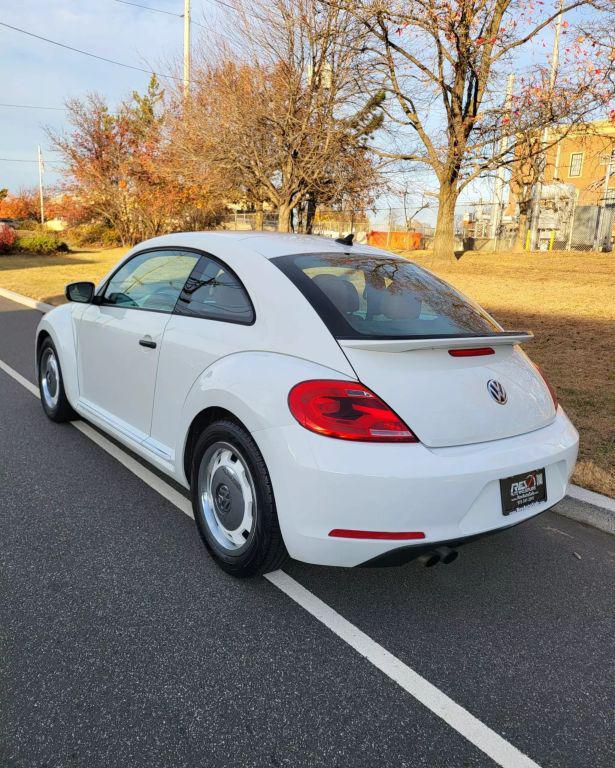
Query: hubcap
point(50, 378)
point(227, 496)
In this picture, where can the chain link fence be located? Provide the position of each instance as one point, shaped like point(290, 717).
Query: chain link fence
point(560, 224)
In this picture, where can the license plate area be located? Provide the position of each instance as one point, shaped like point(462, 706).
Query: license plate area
point(523, 490)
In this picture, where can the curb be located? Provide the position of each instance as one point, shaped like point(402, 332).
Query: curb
point(597, 510)
point(25, 300)
point(591, 497)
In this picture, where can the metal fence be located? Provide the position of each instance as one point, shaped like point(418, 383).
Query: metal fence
point(559, 226)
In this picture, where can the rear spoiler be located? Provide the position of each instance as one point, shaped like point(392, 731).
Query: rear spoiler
point(437, 342)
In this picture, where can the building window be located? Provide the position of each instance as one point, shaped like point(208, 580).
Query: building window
point(576, 164)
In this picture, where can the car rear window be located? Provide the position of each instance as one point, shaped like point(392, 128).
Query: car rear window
point(378, 297)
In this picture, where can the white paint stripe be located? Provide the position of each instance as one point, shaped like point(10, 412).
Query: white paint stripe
point(591, 497)
point(150, 478)
point(476, 732)
point(32, 388)
point(155, 482)
point(25, 300)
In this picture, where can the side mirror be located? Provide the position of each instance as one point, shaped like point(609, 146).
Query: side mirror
point(81, 292)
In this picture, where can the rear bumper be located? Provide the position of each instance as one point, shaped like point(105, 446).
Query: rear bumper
point(449, 494)
point(403, 555)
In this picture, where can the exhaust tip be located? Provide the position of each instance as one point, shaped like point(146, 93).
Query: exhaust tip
point(430, 559)
point(447, 555)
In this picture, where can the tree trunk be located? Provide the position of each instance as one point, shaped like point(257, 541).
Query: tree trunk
point(259, 222)
point(310, 213)
point(444, 239)
point(519, 244)
point(285, 213)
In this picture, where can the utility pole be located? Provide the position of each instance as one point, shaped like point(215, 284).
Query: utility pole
point(186, 48)
point(390, 226)
point(545, 133)
point(605, 222)
point(500, 180)
point(41, 168)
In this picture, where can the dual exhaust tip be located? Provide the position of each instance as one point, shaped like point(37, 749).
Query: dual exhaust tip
point(444, 555)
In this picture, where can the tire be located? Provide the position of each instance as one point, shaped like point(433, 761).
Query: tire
point(51, 385)
point(233, 503)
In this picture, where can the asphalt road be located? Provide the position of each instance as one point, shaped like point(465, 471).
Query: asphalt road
point(123, 645)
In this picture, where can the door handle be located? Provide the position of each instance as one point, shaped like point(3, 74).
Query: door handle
point(147, 342)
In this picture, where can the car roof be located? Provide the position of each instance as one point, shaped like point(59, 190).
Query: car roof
point(267, 244)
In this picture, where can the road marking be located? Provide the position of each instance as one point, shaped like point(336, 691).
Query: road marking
point(25, 300)
point(32, 388)
point(155, 482)
point(477, 733)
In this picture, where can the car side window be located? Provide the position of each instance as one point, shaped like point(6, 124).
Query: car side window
point(151, 280)
point(212, 291)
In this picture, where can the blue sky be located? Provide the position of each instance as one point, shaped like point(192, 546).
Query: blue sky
point(37, 73)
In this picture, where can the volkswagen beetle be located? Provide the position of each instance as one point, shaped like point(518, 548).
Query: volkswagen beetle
point(325, 400)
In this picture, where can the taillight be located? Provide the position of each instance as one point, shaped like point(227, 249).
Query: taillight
point(551, 389)
point(348, 411)
point(471, 352)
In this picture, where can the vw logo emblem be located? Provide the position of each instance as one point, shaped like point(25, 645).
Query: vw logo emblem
point(497, 391)
point(223, 499)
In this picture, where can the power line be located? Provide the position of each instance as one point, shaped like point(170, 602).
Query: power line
point(149, 8)
point(87, 53)
point(226, 5)
point(159, 10)
point(32, 106)
point(19, 160)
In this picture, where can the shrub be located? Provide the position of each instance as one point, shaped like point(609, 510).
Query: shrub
point(41, 242)
point(94, 233)
point(7, 238)
point(31, 225)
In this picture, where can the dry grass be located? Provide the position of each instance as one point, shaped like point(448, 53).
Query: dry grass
point(45, 277)
point(567, 300)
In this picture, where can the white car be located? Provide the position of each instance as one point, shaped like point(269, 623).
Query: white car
point(330, 401)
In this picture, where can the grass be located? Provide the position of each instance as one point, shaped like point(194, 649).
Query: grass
point(45, 277)
point(566, 299)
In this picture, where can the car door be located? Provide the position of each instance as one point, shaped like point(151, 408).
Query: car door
point(118, 340)
point(214, 317)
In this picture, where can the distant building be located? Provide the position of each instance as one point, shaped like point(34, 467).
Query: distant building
point(580, 159)
point(578, 180)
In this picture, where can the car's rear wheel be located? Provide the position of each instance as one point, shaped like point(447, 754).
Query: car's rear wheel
point(51, 384)
point(233, 501)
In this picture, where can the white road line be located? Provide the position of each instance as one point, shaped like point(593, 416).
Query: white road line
point(476, 732)
point(155, 482)
point(32, 388)
point(498, 749)
point(164, 489)
point(25, 300)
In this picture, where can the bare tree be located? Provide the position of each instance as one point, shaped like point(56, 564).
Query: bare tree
point(442, 62)
point(283, 114)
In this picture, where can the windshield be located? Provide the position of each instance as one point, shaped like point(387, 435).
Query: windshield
point(363, 296)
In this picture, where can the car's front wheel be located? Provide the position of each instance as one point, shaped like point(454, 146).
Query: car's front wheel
point(233, 503)
point(51, 385)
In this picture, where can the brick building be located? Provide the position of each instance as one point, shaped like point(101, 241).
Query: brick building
point(580, 159)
